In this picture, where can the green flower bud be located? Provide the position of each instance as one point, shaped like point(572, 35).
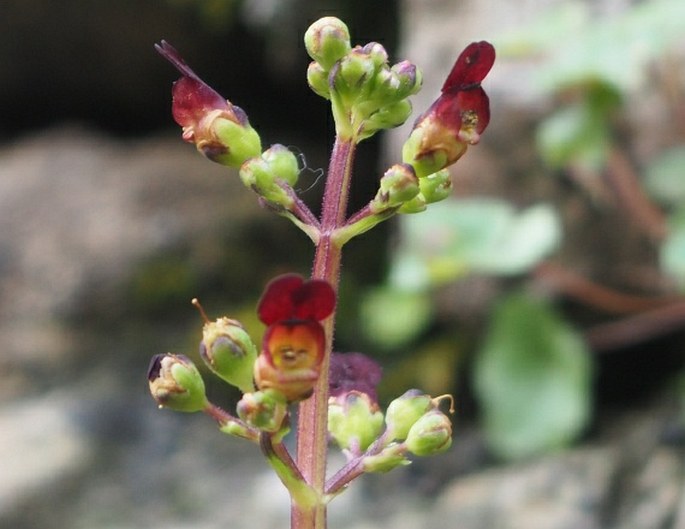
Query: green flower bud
point(376, 52)
point(352, 76)
point(431, 434)
point(317, 78)
point(229, 352)
point(410, 78)
point(175, 383)
point(405, 410)
point(327, 40)
point(398, 185)
point(392, 456)
point(354, 421)
point(266, 175)
point(265, 410)
point(388, 116)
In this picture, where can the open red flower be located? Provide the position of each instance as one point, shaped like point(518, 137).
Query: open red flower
point(219, 129)
point(294, 343)
point(457, 118)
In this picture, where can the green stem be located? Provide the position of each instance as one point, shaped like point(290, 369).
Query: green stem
point(312, 432)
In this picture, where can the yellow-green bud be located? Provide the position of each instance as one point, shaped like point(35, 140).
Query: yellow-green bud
point(431, 434)
point(317, 78)
point(175, 383)
point(353, 75)
point(327, 40)
point(405, 410)
point(229, 352)
point(267, 174)
point(354, 421)
point(265, 410)
point(397, 186)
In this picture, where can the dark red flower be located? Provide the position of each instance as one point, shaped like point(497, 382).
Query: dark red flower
point(354, 372)
point(219, 129)
point(295, 342)
point(457, 118)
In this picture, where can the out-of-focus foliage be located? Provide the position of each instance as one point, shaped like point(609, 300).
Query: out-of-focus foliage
point(532, 379)
point(533, 372)
point(484, 235)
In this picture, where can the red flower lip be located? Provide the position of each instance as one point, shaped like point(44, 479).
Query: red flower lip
point(470, 68)
point(290, 297)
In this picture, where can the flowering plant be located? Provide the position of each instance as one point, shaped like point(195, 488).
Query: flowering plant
point(336, 392)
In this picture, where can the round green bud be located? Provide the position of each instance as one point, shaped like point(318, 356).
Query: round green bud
point(265, 410)
point(229, 352)
point(376, 52)
point(317, 78)
point(431, 434)
point(282, 163)
point(175, 383)
point(353, 75)
point(389, 116)
point(354, 421)
point(405, 410)
point(392, 456)
point(264, 179)
point(241, 142)
point(409, 76)
point(327, 40)
point(397, 186)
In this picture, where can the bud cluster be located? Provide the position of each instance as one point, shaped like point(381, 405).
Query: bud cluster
point(284, 371)
point(413, 424)
point(367, 94)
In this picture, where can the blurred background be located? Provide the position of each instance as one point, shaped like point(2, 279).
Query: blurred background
point(547, 294)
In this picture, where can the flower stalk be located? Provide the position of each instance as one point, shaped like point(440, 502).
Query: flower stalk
point(295, 363)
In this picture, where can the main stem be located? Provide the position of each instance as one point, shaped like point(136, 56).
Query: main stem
point(312, 432)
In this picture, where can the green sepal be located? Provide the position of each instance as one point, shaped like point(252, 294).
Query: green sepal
point(354, 421)
point(176, 384)
point(265, 410)
point(397, 186)
point(241, 142)
point(392, 456)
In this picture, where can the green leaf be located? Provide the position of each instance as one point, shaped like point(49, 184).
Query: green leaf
point(533, 380)
point(456, 237)
point(573, 134)
point(672, 253)
point(665, 177)
point(392, 317)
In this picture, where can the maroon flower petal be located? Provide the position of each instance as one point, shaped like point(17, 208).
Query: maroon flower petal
point(277, 301)
point(471, 67)
point(291, 297)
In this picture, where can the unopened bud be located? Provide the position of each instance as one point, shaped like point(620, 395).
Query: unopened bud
point(175, 383)
point(353, 74)
point(405, 410)
point(431, 434)
point(266, 174)
point(317, 78)
point(398, 185)
point(354, 421)
point(265, 410)
point(229, 352)
point(327, 40)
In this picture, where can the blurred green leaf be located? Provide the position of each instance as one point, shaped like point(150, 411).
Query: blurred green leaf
point(532, 378)
point(673, 248)
point(456, 237)
point(665, 177)
point(391, 317)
